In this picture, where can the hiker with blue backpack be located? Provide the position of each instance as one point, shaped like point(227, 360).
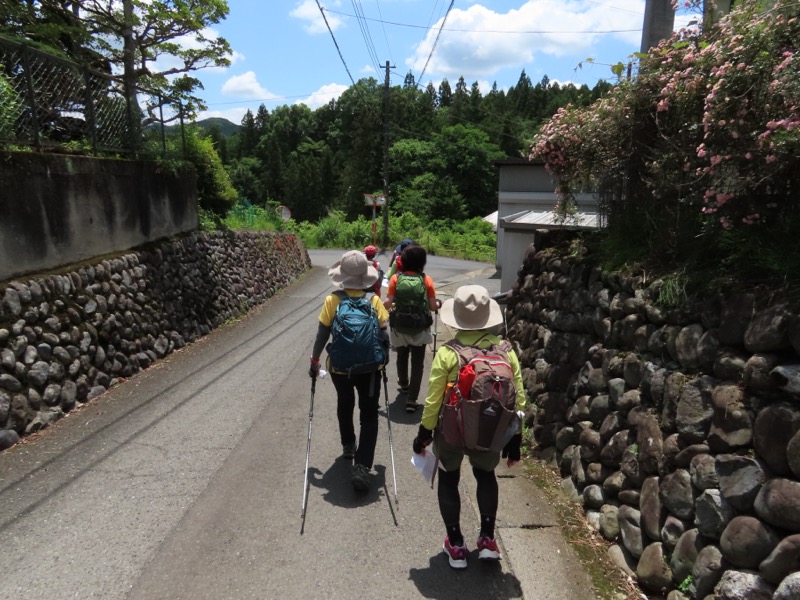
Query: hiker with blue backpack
point(355, 321)
point(411, 298)
point(473, 408)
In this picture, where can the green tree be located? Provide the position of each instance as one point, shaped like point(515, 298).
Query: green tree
point(445, 94)
point(467, 158)
point(215, 192)
point(134, 34)
point(430, 197)
point(305, 177)
point(245, 175)
point(248, 135)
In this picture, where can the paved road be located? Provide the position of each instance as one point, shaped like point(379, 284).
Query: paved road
point(186, 482)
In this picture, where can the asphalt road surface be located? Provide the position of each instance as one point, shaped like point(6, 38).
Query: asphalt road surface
point(186, 481)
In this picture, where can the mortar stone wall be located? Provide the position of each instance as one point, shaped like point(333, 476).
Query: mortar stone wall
point(677, 429)
point(67, 337)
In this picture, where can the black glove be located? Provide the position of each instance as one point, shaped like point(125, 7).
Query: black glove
point(513, 448)
point(423, 440)
point(313, 370)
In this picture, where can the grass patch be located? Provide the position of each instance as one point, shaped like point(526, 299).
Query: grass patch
point(609, 582)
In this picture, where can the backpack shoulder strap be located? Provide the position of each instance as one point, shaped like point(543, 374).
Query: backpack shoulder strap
point(465, 352)
point(505, 346)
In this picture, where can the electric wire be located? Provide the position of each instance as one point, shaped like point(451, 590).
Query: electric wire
point(365, 33)
point(335, 43)
point(436, 41)
point(498, 31)
point(383, 26)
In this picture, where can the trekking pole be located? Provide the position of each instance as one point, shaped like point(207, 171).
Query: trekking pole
point(435, 330)
point(308, 450)
point(389, 423)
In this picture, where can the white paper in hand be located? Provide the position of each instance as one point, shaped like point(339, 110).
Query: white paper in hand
point(425, 464)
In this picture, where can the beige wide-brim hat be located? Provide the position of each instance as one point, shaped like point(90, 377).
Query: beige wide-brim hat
point(471, 308)
point(353, 271)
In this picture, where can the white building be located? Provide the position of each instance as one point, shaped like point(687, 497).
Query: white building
point(525, 204)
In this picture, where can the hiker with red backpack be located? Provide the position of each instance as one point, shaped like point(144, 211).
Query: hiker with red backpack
point(358, 352)
point(411, 298)
point(474, 405)
point(396, 262)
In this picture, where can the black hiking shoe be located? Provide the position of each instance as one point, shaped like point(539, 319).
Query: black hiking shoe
point(360, 478)
point(349, 450)
point(411, 406)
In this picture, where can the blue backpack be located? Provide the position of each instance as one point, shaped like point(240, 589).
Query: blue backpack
point(356, 345)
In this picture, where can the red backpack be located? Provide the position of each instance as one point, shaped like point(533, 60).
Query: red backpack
point(479, 408)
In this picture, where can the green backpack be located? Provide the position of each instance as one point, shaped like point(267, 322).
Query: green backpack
point(411, 313)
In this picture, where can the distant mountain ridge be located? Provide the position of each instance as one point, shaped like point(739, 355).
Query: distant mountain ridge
point(225, 126)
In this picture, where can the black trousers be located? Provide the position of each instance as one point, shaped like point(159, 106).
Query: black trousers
point(417, 354)
point(368, 388)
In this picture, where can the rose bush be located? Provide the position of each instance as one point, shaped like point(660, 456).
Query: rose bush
point(705, 139)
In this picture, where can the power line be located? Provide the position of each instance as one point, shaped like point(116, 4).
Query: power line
point(625, 10)
point(505, 31)
point(365, 33)
point(385, 37)
point(335, 43)
point(436, 41)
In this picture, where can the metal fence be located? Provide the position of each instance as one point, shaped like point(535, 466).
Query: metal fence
point(51, 103)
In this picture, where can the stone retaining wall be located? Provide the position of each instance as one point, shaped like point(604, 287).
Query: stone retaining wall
point(678, 430)
point(66, 338)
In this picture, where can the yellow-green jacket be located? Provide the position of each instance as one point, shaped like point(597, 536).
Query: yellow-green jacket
point(445, 369)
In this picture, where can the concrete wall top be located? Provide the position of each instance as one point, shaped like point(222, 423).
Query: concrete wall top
point(59, 209)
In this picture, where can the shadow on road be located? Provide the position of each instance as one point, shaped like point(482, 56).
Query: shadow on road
point(397, 410)
point(479, 580)
point(336, 483)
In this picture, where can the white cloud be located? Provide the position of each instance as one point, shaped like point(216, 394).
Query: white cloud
point(479, 42)
point(191, 42)
point(367, 70)
point(246, 86)
point(308, 11)
point(323, 95)
point(236, 57)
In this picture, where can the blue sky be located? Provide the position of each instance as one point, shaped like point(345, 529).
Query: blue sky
point(283, 52)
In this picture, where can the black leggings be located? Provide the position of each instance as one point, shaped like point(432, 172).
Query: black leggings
point(450, 502)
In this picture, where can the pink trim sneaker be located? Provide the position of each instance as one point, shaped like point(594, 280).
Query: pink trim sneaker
point(457, 555)
point(487, 549)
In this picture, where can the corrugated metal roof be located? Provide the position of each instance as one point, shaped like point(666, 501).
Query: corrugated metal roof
point(544, 218)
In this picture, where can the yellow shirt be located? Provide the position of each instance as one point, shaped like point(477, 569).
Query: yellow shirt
point(331, 304)
point(445, 369)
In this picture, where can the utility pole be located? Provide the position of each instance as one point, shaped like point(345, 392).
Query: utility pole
point(386, 157)
point(659, 19)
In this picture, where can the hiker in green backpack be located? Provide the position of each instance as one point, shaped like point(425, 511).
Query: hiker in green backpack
point(476, 317)
point(411, 297)
point(352, 275)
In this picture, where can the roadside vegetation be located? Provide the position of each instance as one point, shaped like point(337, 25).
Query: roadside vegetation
point(697, 157)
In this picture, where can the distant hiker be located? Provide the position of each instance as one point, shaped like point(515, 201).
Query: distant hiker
point(359, 349)
point(370, 252)
point(394, 265)
point(411, 297)
point(474, 314)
